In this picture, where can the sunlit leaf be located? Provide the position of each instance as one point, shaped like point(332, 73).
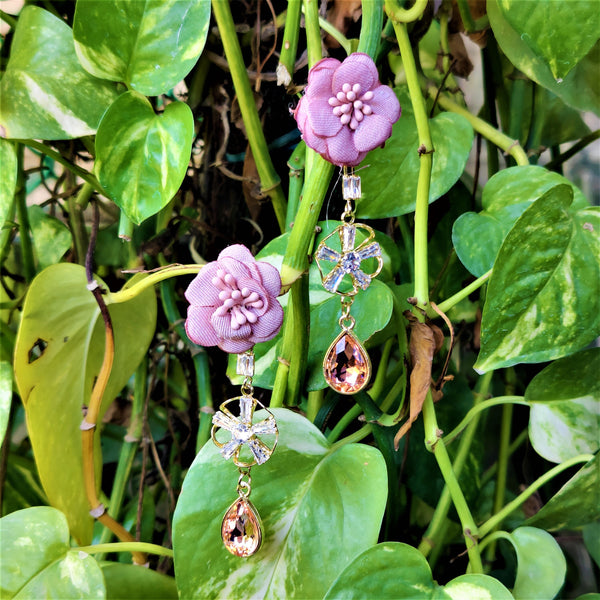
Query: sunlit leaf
point(320, 507)
point(397, 571)
point(477, 237)
point(149, 45)
point(580, 88)
point(575, 504)
point(59, 349)
point(561, 33)
point(542, 301)
point(6, 377)
point(565, 407)
point(38, 561)
point(45, 93)
point(141, 156)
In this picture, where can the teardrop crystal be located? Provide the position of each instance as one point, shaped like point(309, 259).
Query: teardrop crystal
point(241, 529)
point(347, 367)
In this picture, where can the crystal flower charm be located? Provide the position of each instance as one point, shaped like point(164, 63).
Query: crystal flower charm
point(348, 259)
point(245, 447)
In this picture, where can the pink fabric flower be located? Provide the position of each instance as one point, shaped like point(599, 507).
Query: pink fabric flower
point(233, 302)
point(346, 111)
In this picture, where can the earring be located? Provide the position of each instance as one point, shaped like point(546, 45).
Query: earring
point(241, 528)
point(347, 366)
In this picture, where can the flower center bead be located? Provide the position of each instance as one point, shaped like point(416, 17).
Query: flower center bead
point(238, 303)
point(350, 106)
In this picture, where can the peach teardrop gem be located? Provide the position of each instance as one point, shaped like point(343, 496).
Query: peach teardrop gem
point(241, 528)
point(347, 367)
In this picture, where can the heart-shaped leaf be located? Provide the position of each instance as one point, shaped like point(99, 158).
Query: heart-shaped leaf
point(8, 181)
point(58, 353)
point(397, 571)
point(320, 507)
point(579, 88)
point(51, 237)
point(133, 583)
point(577, 502)
point(38, 561)
point(541, 565)
point(477, 237)
point(542, 301)
point(142, 157)
point(565, 412)
point(45, 93)
point(561, 33)
point(390, 183)
point(150, 45)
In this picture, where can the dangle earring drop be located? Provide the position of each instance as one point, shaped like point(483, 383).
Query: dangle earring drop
point(346, 366)
point(241, 528)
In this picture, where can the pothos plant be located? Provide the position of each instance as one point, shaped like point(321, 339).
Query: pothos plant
point(469, 469)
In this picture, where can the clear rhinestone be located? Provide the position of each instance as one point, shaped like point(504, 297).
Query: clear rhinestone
point(351, 187)
point(245, 364)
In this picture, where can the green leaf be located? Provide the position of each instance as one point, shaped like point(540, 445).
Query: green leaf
point(6, 377)
point(542, 300)
point(397, 571)
point(390, 183)
point(324, 326)
point(44, 92)
point(135, 583)
point(580, 88)
point(577, 502)
point(320, 507)
point(58, 353)
point(477, 237)
point(591, 539)
point(142, 157)
point(38, 561)
point(561, 33)
point(51, 237)
point(565, 412)
point(149, 45)
point(8, 178)
point(541, 565)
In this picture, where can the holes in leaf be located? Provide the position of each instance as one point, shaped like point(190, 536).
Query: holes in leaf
point(37, 350)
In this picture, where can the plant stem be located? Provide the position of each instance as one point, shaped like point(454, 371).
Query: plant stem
point(313, 31)
point(370, 31)
point(574, 149)
point(270, 181)
point(400, 15)
point(447, 304)
point(296, 181)
point(507, 144)
point(133, 547)
point(24, 227)
point(487, 475)
point(341, 425)
point(433, 536)
point(353, 438)
point(492, 522)
point(159, 275)
point(314, 404)
point(426, 161)
point(289, 45)
point(125, 227)
point(337, 35)
point(450, 437)
point(9, 19)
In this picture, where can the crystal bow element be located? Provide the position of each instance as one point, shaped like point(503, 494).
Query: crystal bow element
point(244, 432)
point(348, 259)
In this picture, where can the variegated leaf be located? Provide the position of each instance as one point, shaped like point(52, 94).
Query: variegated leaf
point(149, 45)
point(45, 93)
point(565, 407)
point(8, 178)
point(320, 507)
point(542, 300)
point(141, 156)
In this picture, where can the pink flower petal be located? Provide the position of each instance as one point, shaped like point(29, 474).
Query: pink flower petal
point(201, 292)
point(341, 150)
point(320, 77)
point(237, 251)
point(235, 346)
point(321, 118)
point(385, 103)
point(198, 326)
point(317, 143)
point(357, 68)
point(269, 324)
point(271, 279)
point(371, 132)
point(224, 331)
